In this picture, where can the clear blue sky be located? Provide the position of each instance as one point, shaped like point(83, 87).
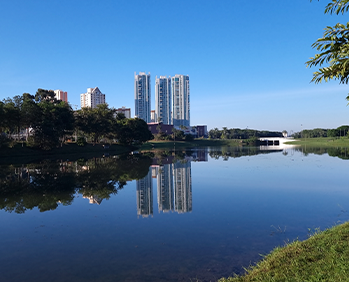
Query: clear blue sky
point(246, 59)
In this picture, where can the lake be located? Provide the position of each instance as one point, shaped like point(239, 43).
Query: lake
point(165, 216)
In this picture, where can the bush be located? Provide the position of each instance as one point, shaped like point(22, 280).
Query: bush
point(189, 137)
point(81, 141)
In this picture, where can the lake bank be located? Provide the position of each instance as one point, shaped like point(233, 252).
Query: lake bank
point(72, 151)
point(188, 144)
point(322, 257)
point(20, 153)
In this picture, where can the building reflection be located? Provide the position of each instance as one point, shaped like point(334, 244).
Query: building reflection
point(145, 195)
point(165, 188)
point(174, 184)
point(182, 187)
point(93, 199)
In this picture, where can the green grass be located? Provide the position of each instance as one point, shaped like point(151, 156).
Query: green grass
point(322, 142)
point(322, 257)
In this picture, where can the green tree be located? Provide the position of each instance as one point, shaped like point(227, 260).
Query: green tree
point(53, 119)
point(97, 122)
point(133, 130)
point(333, 48)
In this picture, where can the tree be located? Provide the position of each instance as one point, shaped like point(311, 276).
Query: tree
point(97, 122)
point(133, 130)
point(333, 48)
point(53, 119)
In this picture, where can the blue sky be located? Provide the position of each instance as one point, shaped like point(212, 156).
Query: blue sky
point(245, 59)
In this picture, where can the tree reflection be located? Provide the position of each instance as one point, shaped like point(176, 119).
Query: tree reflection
point(49, 184)
point(236, 152)
point(340, 152)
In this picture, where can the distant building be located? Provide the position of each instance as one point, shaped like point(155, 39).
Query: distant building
point(125, 111)
point(163, 99)
point(142, 96)
point(153, 116)
point(201, 130)
point(166, 128)
point(92, 98)
point(180, 92)
point(61, 95)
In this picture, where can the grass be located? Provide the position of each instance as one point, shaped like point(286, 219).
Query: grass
point(322, 142)
point(322, 257)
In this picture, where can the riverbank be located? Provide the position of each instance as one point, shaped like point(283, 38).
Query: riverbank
point(20, 153)
point(322, 142)
point(322, 257)
point(71, 151)
point(163, 145)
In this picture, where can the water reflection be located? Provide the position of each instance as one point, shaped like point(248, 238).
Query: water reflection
point(145, 196)
point(49, 184)
point(244, 206)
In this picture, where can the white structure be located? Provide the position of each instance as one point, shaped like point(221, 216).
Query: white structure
point(92, 98)
point(163, 99)
point(61, 95)
point(180, 100)
point(153, 115)
point(142, 96)
point(125, 111)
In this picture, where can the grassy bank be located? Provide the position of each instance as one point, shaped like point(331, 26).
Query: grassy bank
point(322, 142)
point(71, 151)
point(188, 144)
point(322, 257)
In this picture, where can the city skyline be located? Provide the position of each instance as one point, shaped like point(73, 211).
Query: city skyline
point(246, 60)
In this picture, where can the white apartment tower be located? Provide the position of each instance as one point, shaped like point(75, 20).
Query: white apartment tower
point(163, 99)
point(180, 100)
point(61, 95)
point(142, 96)
point(92, 98)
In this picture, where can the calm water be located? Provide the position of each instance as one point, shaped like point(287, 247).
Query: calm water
point(199, 214)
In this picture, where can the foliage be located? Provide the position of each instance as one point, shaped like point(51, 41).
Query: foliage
point(97, 122)
point(320, 132)
point(54, 119)
point(133, 131)
point(43, 121)
point(333, 48)
point(237, 133)
point(81, 141)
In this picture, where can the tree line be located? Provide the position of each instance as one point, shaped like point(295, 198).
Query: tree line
point(45, 122)
point(237, 133)
point(320, 132)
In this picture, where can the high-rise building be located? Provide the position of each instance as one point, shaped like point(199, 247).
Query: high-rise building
point(142, 96)
point(61, 95)
point(163, 99)
point(92, 98)
point(180, 100)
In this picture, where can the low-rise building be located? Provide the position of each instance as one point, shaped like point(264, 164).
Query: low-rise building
point(125, 111)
